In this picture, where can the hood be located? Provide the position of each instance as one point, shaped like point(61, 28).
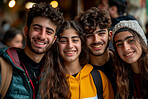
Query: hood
point(11, 55)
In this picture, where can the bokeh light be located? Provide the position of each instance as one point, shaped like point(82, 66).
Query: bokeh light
point(54, 4)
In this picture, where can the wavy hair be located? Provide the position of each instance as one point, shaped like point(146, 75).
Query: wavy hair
point(54, 81)
point(123, 69)
point(83, 57)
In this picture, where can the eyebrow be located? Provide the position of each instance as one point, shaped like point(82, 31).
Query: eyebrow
point(42, 27)
point(128, 37)
point(98, 31)
point(71, 37)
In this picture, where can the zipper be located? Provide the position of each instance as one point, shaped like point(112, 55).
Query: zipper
point(29, 80)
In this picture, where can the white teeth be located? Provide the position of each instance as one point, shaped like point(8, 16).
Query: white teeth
point(39, 43)
point(69, 52)
point(129, 54)
point(97, 46)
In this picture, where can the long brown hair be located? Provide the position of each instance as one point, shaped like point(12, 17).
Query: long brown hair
point(54, 81)
point(123, 69)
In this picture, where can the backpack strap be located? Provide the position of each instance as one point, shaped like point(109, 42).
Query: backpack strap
point(98, 82)
point(6, 76)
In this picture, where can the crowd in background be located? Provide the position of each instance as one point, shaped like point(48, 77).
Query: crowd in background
point(57, 57)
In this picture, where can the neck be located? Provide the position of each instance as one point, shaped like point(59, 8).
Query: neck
point(99, 60)
point(135, 67)
point(73, 67)
point(35, 57)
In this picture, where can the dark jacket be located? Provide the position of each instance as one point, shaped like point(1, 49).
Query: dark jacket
point(20, 87)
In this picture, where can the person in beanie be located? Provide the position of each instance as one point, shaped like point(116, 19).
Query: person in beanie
point(118, 12)
point(130, 44)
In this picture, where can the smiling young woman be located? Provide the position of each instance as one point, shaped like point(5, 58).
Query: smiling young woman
point(132, 60)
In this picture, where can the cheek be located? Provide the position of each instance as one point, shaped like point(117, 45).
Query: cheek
point(139, 50)
point(105, 38)
point(60, 48)
point(50, 37)
point(79, 47)
point(88, 42)
point(119, 51)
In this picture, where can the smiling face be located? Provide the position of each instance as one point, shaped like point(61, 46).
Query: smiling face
point(41, 35)
point(128, 49)
point(97, 41)
point(69, 45)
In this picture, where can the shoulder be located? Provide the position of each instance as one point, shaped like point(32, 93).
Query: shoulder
point(107, 87)
point(103, 76)
point(3, 50)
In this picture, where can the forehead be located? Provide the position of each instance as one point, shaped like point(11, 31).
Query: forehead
point(98, 30)
point(69, 32)
point(18, 37)
point(122, 35)
point(44, 22)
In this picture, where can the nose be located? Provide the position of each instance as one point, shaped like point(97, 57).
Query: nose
point(96, 38)
point(43, 34)
point(70, 44)
point(126, 46)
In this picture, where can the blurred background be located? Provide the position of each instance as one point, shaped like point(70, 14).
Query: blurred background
point(12, 12)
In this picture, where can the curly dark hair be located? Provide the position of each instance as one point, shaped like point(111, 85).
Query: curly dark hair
point(92, 18)
point(44, 9)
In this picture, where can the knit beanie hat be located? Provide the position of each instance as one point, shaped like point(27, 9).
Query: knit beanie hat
point(131, 24)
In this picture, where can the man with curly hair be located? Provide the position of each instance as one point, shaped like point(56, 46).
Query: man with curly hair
point(40, 31)
point(96, 24)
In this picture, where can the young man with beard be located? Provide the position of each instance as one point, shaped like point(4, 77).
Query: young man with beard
point(96, 24)
point(40, 31)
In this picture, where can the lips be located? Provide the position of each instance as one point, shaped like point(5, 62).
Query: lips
point(96, 47)
point(70, 53)
point(129, 54)
point(40, 43)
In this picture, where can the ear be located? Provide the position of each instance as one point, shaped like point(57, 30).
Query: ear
point(54, 39)
point(110, 34)
point(26, 30)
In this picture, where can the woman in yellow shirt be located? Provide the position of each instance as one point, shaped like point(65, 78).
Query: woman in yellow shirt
point(72, 61)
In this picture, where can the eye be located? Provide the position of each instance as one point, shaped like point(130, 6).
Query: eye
point(131, 41)
point(49, 32)
point(75, 40)
point(89, 36)
point(100, 34)
point(119, 44)
point(37, 28)
point(62, 41)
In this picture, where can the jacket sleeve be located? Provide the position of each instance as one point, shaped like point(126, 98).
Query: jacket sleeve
point(107, 87)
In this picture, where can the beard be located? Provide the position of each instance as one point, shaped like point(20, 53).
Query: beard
point(36, 50)
point(100, 54)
